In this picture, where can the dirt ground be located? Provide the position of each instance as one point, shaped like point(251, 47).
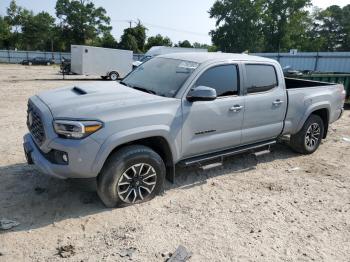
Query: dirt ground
point(277, 207)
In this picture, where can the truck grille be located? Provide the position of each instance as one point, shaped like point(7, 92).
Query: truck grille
point(35, 125)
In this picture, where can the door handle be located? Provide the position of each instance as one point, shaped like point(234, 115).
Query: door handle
point(236, 108)
point(278, 102)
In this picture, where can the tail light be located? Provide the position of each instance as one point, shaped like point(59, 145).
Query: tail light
point(342, 92)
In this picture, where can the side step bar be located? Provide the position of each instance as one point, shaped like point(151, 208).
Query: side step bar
point(225, 153)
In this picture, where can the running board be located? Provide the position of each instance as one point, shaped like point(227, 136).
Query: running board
point(210, 166)
point(263, 152)
point(225, 153)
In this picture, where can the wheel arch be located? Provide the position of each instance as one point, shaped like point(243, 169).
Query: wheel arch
point(159, 143)
point(324, 115)
point(323, 111)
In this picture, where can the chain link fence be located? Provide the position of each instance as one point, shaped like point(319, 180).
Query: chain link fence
point(313, 61)
point(16, 57)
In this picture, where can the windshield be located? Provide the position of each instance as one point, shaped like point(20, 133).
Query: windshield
point(160, 76)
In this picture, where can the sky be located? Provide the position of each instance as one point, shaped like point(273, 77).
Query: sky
point(179, 20)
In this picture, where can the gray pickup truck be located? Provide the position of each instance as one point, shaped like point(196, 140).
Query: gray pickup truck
point(176, 109)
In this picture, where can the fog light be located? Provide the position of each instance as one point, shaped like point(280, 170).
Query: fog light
point(58, 157)
point(65, 157)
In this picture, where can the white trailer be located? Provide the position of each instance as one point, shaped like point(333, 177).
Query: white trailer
point(104, 62)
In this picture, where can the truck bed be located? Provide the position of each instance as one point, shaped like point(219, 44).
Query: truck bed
point(300, 83)
point(305, 97)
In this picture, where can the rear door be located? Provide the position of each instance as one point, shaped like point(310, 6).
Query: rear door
point(265, 103)
point(214, 125)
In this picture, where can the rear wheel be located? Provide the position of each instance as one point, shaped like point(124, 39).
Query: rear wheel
point(113, 76)
point(308, 139)
point(132, 175)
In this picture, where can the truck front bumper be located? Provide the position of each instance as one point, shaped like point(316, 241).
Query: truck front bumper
point(81, 155)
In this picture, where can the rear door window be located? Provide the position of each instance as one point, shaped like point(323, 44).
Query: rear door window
point(260, 78)
point(223, 78)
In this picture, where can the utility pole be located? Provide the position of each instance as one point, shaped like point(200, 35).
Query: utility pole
point(130, 23)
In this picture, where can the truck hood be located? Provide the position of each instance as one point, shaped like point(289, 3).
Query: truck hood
point(93, 99)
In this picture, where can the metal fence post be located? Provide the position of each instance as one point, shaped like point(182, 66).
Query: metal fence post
point(8, 54)
point(316, 62)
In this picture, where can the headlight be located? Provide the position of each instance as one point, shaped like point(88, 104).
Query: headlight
point(76, 129)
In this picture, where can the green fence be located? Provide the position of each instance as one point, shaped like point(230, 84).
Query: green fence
point(332, 78)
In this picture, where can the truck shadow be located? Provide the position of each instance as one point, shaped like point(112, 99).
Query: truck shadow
point(35, 200)
point(189, 177)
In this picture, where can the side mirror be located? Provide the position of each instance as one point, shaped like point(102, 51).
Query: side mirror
point(201, 93)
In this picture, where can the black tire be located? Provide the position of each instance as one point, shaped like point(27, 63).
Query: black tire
point(114, 76)
point(114, 175)
point(304, 141)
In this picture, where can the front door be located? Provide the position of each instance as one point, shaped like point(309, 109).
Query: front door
point(214, 125)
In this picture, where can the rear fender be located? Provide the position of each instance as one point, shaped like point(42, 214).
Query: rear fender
point(310, 109)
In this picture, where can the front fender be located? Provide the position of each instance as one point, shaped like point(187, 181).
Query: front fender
point(131, 135)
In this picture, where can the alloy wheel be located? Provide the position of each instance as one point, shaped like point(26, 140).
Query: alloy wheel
point(312, 136)
point(137, 183)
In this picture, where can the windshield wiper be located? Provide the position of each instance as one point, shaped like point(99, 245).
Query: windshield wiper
point(144, 90)
point(124, 84)
point(139, 88)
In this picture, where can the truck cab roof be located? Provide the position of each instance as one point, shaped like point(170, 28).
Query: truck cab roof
point(212, 57)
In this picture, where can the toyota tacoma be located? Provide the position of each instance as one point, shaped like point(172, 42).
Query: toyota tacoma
point(174, 110)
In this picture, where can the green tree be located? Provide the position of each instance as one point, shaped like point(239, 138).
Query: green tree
point(184, 43)
point(328, 28)
point(272, 25)
point(5, 33)
point(158, 40)
point(280, 18)
point(15, 18)
point(38, 31)
point(108, 41)
point(139, 32)
point(210, 48)
point(134, 35)
point(298, 34)
point(345, 21)
point(81, 22)
point(238, 25)
point(128, 42)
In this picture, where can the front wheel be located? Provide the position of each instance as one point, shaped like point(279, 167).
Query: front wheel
point(308, 139)
point(132, 175)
